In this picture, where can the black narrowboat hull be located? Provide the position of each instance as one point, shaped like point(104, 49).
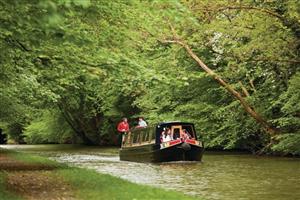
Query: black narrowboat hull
point(153, 153)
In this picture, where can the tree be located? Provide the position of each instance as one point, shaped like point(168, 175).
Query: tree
point(83, 65)
point(239, 46)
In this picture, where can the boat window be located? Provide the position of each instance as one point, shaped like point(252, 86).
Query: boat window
point(177, 130)
point(127, 139)
point(152, 135)
point(142, 135)
point(136, 136)
point(145, 135)
point(176, 133)
point(189, 129)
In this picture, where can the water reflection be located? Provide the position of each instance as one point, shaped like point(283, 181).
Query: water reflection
point(219, 176)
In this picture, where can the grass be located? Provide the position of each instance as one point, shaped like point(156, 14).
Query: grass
point(66, 148)
point(88, 184)
point(31, 159)
point(4, 194)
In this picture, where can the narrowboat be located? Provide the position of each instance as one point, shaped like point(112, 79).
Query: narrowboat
point(167, 141)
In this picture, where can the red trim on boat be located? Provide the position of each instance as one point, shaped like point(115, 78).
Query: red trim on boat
point(173, 142)
point(190, 141)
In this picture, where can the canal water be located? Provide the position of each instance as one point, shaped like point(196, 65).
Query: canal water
point(221, 176)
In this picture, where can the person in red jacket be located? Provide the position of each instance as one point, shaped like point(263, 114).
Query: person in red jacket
point(123, 128)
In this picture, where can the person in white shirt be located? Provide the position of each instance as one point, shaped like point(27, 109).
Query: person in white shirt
point(166, 135)
point(142, 123)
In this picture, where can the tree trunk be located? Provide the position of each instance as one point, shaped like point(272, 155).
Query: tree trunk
point(79, 132)
point(259, 119)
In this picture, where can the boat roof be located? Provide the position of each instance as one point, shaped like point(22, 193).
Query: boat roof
point(174, 122)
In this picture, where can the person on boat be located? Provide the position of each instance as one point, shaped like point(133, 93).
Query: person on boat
point(176, 134)
point(166, 135)
point(123, 128)
point(142, 123)
point(169, 134)
point(185, 135)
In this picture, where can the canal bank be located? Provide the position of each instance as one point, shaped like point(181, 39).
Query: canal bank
point(24, 176)
point(221, 175)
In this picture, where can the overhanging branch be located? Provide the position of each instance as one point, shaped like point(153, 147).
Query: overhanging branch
point(248, 108)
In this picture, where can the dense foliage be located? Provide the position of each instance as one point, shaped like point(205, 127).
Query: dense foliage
point(71, 69)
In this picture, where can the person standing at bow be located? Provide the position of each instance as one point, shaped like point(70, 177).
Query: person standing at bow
point(123, 128)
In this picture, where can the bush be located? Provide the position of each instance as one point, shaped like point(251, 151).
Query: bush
point(49, 128)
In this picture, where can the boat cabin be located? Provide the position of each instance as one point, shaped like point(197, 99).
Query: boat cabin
point(149, 145)
point(153, 134)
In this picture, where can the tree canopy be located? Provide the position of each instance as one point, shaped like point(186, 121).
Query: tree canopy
point(71, 69)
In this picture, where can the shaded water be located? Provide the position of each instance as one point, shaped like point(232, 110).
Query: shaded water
point(219, 176)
